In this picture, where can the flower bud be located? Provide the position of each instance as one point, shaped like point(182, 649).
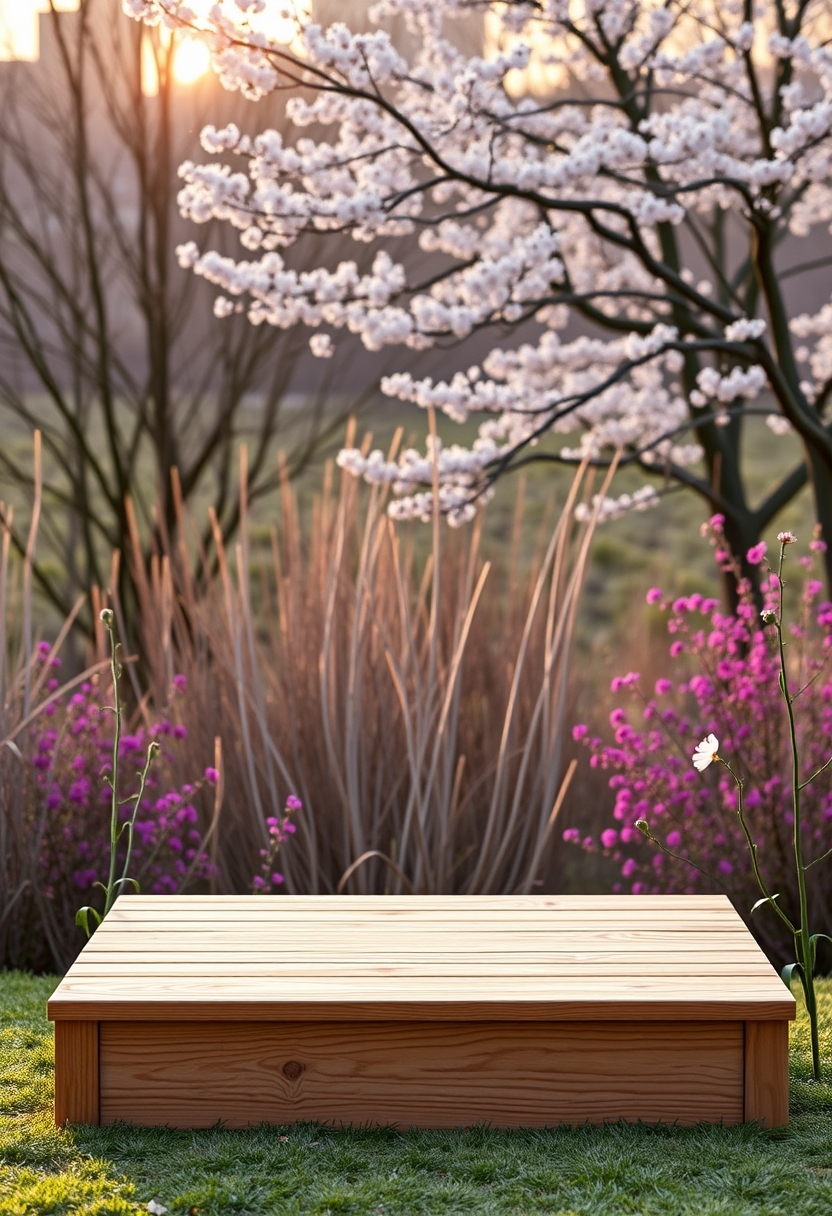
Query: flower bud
point(643, 826)
point(106, 616)
point(768, 616)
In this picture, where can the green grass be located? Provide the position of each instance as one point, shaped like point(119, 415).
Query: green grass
point(617, 1169)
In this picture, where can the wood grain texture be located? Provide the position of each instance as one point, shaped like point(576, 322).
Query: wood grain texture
point(76, 1073)
point(767, 1073)
point(416, 1074)
point(421, 958)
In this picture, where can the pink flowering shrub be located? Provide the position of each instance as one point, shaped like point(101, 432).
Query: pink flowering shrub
point(724, 682)
point(67, 752)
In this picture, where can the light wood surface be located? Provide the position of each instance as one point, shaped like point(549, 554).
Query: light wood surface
point(425, 958)
point(420, 1074)
point(767, 1073)
point(76, 1073)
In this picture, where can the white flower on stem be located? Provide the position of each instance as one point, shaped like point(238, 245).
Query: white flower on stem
point(705, 753)
point(786, 538)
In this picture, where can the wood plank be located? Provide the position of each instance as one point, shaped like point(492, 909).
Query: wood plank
point(767, 1073)
point(424, 943)
point(193, 1075)
point(412, 952)
point(453, 902)
point(500, 941)
point(233, 970)
point(76, 1073)
point(441, 988)
point(440, 917)
point(243, 1006)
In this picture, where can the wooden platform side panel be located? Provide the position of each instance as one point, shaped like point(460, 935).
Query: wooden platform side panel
point(767, 1073)
point(77, 1088)
point(429, 1075)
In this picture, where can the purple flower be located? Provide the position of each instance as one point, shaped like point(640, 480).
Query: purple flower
point(211, 776)
point(79, 791)
point(756, 553)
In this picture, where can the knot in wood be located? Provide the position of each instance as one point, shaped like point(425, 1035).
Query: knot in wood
point(292, 1070)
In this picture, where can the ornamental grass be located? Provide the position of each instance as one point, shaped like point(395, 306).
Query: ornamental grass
point(414, 700)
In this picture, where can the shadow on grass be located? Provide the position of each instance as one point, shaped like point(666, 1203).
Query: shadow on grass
point(589, 1171)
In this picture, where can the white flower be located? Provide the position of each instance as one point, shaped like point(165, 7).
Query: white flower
point(321, 346)
point(786, 538)
point(706, 751)
point(156, 1208)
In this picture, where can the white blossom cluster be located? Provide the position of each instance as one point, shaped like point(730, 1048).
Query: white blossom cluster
point(604, 508)
point(553, 214)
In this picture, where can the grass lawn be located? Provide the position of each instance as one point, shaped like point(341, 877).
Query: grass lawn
point(311, 1169)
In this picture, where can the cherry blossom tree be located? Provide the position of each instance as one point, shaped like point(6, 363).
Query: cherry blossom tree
point(629, 228)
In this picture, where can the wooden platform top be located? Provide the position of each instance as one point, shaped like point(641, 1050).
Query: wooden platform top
point(443, 958)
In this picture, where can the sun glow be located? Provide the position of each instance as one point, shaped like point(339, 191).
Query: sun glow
point(191, 60)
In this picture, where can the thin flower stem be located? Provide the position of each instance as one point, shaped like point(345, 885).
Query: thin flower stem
point(814, 777)
point(752, 848)
point(109, 621)
point(137, 799)
point(114, 885)
point(644, 828)
point(803, 942)
point(822, 857)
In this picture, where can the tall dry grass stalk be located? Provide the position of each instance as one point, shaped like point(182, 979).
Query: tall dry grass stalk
point(414, 702)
